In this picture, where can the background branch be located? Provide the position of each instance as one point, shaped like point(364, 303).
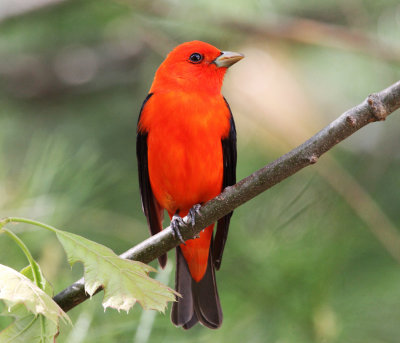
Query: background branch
point(11, 8)
point(319, 33)
point(376, 107)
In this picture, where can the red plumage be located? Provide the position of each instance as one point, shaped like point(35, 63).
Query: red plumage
point(186, 149)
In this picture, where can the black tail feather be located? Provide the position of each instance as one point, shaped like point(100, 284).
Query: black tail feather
point(200, 300)
point(205, 298)
point(192, 322)
point(182, 310)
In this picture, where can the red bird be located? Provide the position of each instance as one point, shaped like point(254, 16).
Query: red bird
point(186, 151)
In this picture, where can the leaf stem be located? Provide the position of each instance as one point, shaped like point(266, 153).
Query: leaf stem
point(7, 220)
point(25, 250)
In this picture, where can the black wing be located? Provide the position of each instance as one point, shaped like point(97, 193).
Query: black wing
point(151, 208)
point(229, 179)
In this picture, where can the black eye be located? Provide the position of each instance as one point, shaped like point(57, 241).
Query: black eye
point(196, 57)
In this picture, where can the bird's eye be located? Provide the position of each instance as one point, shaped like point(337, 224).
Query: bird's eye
point(195, 58)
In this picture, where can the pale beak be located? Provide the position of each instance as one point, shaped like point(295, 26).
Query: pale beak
point(227, 58)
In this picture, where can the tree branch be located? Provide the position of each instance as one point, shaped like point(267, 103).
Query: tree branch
point(376, 107)
point(11, 8)
point(308, 31)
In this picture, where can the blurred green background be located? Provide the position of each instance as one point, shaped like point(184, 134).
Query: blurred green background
point(315, 259)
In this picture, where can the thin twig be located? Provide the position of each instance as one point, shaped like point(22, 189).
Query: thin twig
point(314, 32)
point(376, 107)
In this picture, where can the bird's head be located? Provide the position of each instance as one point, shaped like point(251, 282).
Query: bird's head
point(194, 66)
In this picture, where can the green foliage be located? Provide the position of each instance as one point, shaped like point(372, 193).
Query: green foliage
point(28, 328)
point(27, 298)
point(124, 281)
point(15, 288)
point(36, 315)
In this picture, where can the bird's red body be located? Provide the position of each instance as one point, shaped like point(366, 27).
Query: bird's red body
point(185, 161)
point(182, 124)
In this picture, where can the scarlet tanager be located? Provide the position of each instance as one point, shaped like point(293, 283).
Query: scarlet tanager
point(186, 151)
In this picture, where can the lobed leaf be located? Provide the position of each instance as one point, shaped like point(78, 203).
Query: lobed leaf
point(28, 327)
point(16, 288)
point(124, 281)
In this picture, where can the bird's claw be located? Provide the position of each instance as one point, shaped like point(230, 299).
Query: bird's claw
point(175, 222)
point(192, 213)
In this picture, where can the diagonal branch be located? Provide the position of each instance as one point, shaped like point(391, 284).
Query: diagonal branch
point(376, 107)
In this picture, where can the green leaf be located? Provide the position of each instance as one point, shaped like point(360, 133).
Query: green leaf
point(28, 327)
point(43, 283)
point(33, 271)
point(124, 281)
point(16, 288)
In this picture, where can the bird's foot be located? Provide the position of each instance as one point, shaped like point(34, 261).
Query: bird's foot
point(192, 213)
point(192, 216)
point(175, 223)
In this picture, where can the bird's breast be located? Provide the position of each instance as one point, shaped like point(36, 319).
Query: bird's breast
point(184, 148)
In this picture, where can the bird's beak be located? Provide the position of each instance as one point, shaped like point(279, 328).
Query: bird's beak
point(227, 58)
